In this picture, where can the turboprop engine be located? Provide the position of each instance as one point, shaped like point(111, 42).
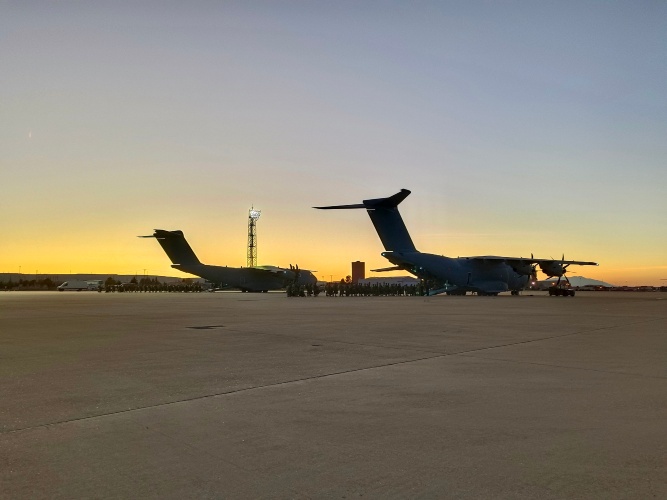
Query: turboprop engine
point(523, 268)
point(554, 267)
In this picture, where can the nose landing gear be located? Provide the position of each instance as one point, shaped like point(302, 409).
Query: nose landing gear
point(559, 291)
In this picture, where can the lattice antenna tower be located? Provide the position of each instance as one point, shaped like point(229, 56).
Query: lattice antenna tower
point(253, 216)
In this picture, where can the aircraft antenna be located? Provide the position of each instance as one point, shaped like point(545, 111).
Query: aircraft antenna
point(253, 216)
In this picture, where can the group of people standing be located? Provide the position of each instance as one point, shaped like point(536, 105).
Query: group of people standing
point(358, 290)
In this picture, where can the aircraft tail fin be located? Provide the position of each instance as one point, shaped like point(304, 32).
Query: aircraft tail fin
point(175, 246)
point(387, 220)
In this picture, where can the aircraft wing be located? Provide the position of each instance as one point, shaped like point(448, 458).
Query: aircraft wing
point(575, 262)
point(525, 260)
point(279, 270)
point(526, 267)
point(269, 269)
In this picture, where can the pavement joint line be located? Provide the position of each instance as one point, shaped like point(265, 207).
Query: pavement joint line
point(209, 396)
point(571, 334)
point(326, 375)
point(419, 349)
point(581, 332)
point(535, 363)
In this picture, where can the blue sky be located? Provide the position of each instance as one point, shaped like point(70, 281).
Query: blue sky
point(519, 126)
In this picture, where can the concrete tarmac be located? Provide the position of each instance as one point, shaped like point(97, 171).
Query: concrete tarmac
point(232, 395)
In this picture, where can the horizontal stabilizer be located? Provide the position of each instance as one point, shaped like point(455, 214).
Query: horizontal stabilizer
point(386, 219)
point(389, 202)
point(341, 207)
point(386, 269)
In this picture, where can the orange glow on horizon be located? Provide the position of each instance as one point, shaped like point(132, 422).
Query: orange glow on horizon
point(130, 256)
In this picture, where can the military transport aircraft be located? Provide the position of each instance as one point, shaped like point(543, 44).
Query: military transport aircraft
point(248, 279)
point(485, 275)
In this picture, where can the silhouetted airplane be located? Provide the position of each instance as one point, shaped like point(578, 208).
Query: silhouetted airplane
point(485, 275)
point(248, 279)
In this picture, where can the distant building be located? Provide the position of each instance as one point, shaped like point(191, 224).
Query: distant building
point(358, 271)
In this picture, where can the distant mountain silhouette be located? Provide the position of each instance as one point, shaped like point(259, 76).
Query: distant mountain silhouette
point(582, 281)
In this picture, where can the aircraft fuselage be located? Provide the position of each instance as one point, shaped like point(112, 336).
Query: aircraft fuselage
point(247, 279)
point(462, 274)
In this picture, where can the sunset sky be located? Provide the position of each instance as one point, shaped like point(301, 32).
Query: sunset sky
point(519, 127)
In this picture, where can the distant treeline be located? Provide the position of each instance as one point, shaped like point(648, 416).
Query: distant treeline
point(110, 285)
point(25, 284)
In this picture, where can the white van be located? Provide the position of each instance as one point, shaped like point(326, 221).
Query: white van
point(80, 285)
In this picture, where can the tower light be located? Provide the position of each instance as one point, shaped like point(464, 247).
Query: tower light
point(253, 216)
